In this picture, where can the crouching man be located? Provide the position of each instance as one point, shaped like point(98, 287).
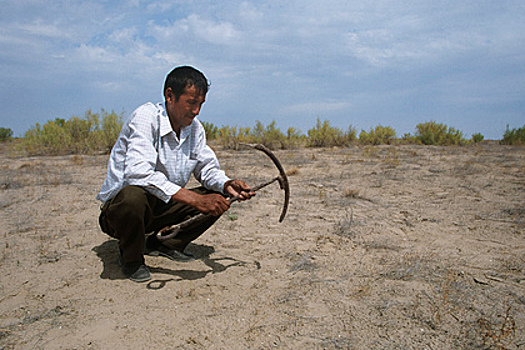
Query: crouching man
point(158, 149)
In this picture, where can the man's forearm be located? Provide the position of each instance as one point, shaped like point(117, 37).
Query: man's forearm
point(214, 204)
point(186, 197)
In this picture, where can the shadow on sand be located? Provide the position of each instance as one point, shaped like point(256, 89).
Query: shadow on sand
point(108, 254)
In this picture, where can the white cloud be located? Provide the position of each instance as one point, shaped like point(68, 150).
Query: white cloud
point(124, 36)
point(249, 12)
point(40, 29)
point(301, 57)
point(316, 107)
point(96, 55)
point(194, 27)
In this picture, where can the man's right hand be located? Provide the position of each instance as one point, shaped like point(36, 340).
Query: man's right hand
point(213, 204)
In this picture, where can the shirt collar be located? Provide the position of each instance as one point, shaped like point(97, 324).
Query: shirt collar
point(165, 126)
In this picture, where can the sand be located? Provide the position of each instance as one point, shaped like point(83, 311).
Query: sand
point(384, 247)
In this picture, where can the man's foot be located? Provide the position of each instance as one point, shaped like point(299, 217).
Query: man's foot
point(137, 272)
point(171, 254)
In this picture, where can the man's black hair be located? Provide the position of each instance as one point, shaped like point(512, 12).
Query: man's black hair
point(185, 76)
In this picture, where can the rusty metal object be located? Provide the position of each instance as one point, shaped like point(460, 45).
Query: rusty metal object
point(282, 178)
point(170, 232)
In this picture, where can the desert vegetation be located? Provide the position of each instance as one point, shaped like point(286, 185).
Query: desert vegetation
point(91, 133)
point(514, 136)
point(95, 133)
point(5, 134)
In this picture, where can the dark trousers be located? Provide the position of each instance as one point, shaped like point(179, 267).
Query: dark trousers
point(134, 212)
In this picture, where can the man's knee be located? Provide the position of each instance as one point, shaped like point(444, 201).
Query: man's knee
point(128, 207)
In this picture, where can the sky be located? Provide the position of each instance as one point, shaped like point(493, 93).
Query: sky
point(354, 63)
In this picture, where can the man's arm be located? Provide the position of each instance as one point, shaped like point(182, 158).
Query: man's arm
point(215, 204)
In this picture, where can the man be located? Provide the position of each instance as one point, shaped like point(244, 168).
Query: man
point(158, 149)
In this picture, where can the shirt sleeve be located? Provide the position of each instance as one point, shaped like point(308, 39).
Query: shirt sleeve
point(142, 157)
point(208, 171)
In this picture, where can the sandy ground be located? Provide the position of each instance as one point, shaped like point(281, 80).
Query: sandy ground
point(388, 247)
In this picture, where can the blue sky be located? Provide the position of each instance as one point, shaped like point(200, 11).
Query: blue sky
point(354, 63)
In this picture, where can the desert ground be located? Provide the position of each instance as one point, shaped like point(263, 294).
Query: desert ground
point(383, 247)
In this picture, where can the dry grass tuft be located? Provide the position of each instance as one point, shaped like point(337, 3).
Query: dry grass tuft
point(343, 226)
point(78, 159)
point(499, 331)
point(292, 171)
point(351, 193)
point(303, 262)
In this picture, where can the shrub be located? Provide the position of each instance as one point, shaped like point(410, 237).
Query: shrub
point(477, 138)
point(410, 139)
point(432, 133)
point(212, 132)
point(49, 139)
point(294, 138)
point(5, 134)
point(230, 137)
point(324, 135)
point(514, 136)
point(378, 136)
point(84, 133)
point(111, 126)
point(76, 135)
point(270, 136)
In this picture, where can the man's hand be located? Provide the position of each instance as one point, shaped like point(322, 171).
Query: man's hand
point(213, 204)
point(238, 188)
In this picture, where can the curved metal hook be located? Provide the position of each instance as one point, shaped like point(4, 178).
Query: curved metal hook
point(171, 231)
point(283, 179)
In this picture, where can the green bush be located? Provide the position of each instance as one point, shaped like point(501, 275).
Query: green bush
point(294, 138)
point(5, 134)
point(49, 139)
point(514, 136)
point(212, 132)
point(477, 138)
point(381, 135)
point(432, 133)
point(270, 136)
point(111, 126)
point(74, 136)
point(409, 139)
point(324, 135)
point(230, 137)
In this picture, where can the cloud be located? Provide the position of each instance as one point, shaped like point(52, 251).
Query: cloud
point(194, 27)
point(317, 107)
point(97, 54)
point(290, 61)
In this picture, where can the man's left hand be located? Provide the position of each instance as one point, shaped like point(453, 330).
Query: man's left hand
point(238, 188)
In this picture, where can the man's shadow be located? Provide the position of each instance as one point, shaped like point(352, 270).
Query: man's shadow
point(108, 254)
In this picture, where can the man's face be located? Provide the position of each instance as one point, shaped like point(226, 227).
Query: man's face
point(182, 112)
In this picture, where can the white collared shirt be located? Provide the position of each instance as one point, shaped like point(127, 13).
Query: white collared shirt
point(149, 154)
